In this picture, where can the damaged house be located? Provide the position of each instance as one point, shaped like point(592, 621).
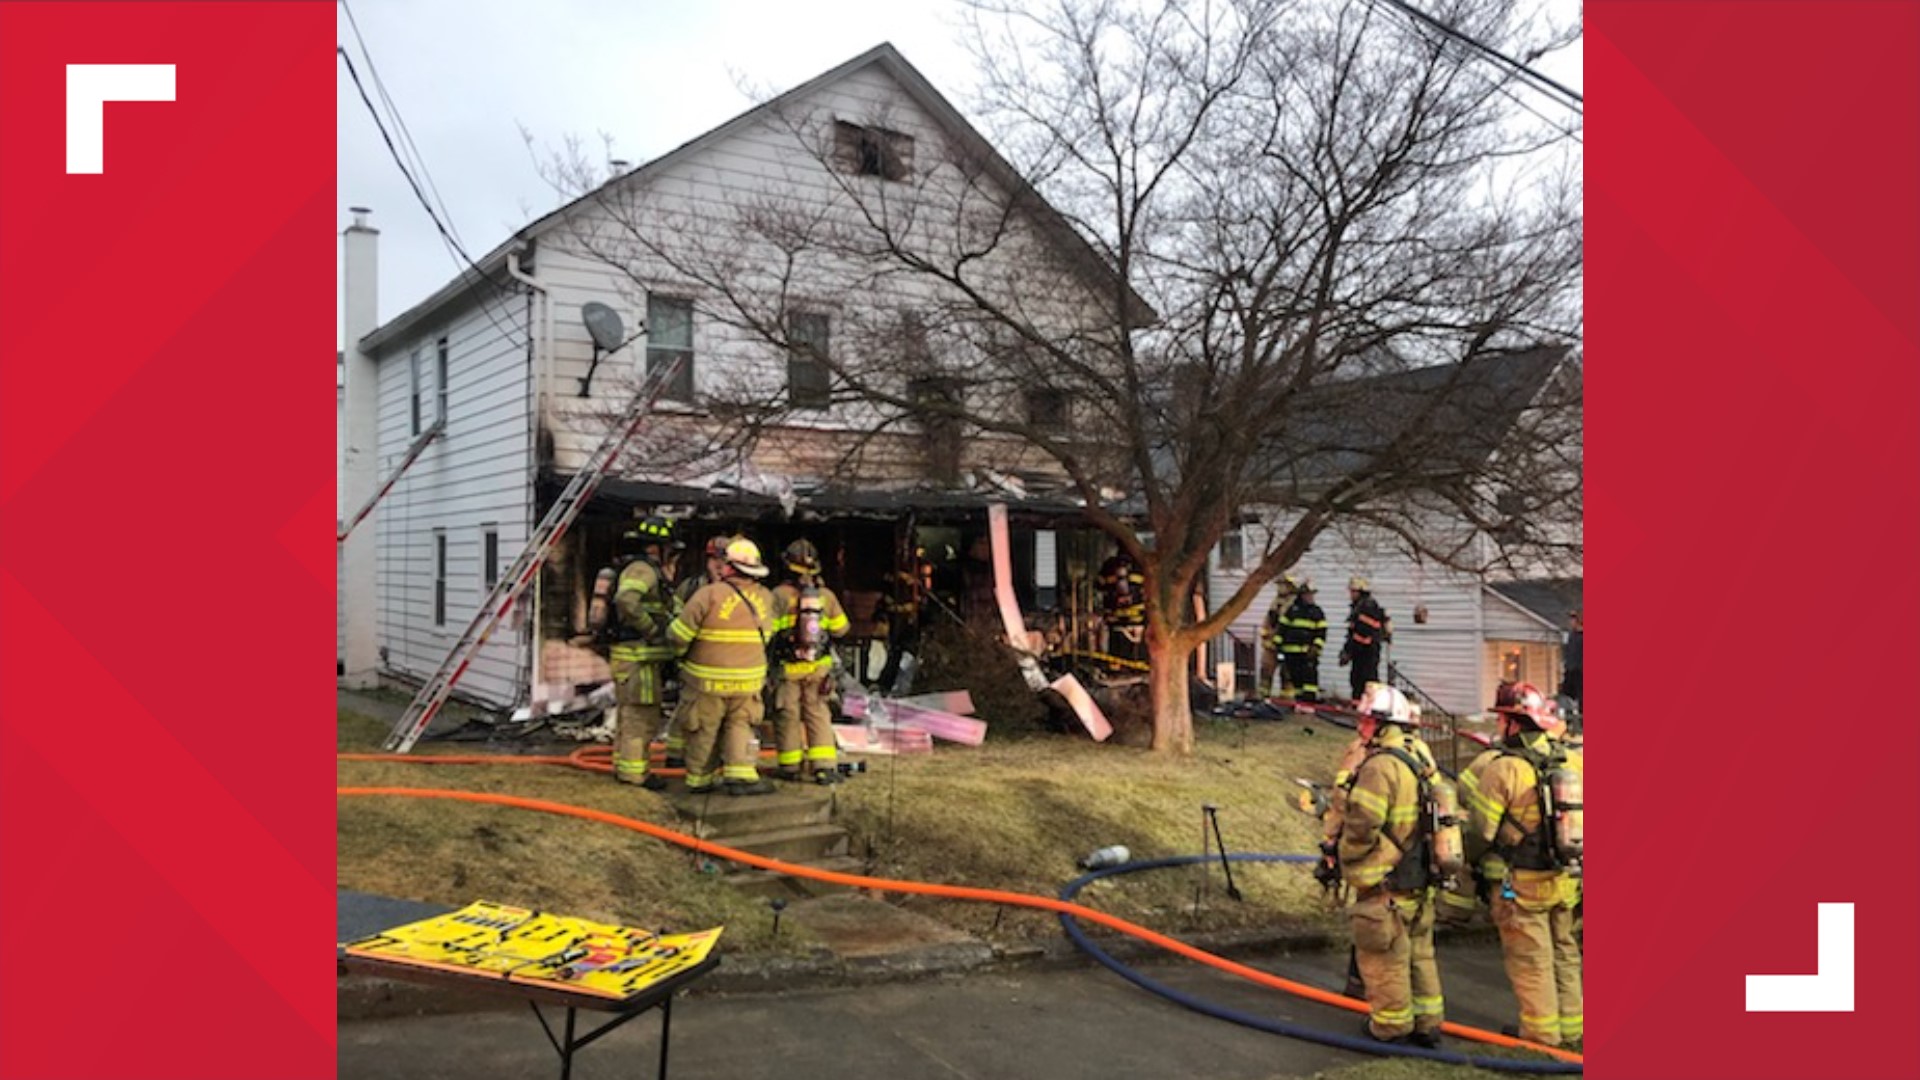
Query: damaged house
point(465, 416)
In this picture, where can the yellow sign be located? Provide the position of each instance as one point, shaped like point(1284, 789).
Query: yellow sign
point(539, 948)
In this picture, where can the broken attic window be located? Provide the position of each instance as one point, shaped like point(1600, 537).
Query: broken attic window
point(872, 151)
point(1047, 408)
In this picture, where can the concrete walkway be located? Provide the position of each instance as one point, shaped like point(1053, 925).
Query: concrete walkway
point(1082, 1022)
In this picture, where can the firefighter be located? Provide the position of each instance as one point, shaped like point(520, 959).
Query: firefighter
point(910, 593)
point(1384, 855)
point(715, 556)
point(1284, 591)
point(1368, 629)
point(1123, 591)
point(1302, 636)
point(722, 636)
point(638, 646)
point(1533, 891)
point(806, 614)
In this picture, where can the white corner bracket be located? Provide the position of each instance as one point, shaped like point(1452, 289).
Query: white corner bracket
point(1829, 988)
point(89, 88)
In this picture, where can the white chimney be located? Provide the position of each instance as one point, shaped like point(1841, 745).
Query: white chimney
point(360, 452)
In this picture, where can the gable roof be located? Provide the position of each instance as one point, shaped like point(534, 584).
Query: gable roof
point(1452, 417)
point(884, 56)
point(1551, 600)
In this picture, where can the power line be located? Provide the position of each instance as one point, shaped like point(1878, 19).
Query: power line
point(466, 281)
point(419, 160)
point(1570, 97)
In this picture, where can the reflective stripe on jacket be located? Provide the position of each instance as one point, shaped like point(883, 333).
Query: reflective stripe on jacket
point(1382, 810)
point(1500, 791)
point(1302, 628)
point(1367, 624)
point(722, 635)
point(833, 620)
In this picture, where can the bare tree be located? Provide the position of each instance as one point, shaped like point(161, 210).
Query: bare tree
point(1288, 249)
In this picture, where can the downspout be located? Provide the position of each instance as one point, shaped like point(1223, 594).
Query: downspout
point(537, 357)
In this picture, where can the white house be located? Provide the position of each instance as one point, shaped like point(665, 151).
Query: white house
point(490, 371)
point(1457, 633)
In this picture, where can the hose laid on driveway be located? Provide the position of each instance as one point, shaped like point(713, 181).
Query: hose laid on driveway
point(956, 892)
point(1569, 1063)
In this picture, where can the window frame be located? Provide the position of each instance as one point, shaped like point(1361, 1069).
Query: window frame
point(681, 388)
point(1238, 536)
point(439, 578)
point(489, 557)
point(441, 368)
point(872, 150)
point(415, 359)
point(805, 355)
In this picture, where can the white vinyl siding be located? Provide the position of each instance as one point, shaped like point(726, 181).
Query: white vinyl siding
point(1443, 657)
point(474, 477)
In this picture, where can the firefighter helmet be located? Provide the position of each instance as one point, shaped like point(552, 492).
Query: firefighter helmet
point(1304, 586)
point(1383, 702)
point(744, 555)
point(1529, 706)
point(717, 547)
point(1358, 583)
point(650, 530)
point(801, 557)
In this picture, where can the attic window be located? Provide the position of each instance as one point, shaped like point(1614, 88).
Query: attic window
point(872, 151)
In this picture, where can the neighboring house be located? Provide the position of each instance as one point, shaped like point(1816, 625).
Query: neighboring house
point(1475, 631)
point(492, 367)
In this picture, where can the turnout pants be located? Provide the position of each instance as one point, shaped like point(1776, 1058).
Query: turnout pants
point(719, 732)
point(1393, 944)
point(1303, 674)
point(1366, 669)
point(636, 687)
point(802, 723)
point(1543, 963)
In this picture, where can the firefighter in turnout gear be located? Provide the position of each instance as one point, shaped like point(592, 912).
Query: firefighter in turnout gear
point(806, 614)
point(1301, 636)
point(1368, 631)
point(1284, 591)
point(716, 557)
point(636, 631)
point(1123, 606)
point(1385, 855)
point(722, 636)
point(1525, 834)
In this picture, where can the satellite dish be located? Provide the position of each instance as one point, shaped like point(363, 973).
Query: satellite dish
point(604, 324)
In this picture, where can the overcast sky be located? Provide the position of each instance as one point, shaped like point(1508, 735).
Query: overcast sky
point(468, 75)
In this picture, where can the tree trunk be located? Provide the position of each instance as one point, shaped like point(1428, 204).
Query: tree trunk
point(1172, 703)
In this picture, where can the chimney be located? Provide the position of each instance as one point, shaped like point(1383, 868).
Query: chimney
point(360, 452)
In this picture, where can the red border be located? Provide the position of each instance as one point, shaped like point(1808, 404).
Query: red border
point(1754, 309)
point(166, 490)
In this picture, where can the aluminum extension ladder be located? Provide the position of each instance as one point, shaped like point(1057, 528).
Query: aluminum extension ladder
point(493, 610)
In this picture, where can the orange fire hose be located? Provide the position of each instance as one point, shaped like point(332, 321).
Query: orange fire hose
point(952, 892)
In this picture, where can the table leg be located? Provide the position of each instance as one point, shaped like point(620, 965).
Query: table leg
point(566, 1054)
point(666, 1019)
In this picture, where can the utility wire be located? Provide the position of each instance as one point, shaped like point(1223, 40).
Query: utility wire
point(1567, 96)
point(467, 280)
point(419, 160)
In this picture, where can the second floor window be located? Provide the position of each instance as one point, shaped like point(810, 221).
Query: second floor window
point(417, 379)
point(809, 381)
point(670, 338)
point(440, 383)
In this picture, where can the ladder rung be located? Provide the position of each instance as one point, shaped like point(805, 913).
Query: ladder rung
point(559, 517)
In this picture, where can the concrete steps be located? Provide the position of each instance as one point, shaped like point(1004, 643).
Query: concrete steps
point(766, 883)
point(712, 817)
point(794, 824)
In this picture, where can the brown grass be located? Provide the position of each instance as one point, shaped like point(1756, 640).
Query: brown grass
point(1010, 814)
